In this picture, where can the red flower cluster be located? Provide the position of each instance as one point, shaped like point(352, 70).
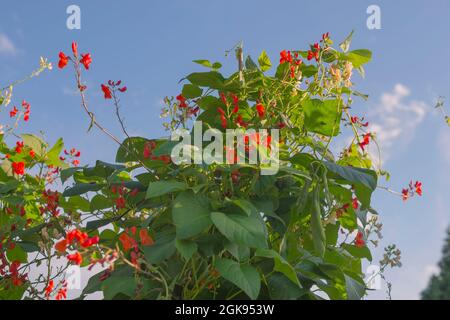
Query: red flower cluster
point(191, 111)
point(26, 111)
point(85, 60)
point(412, 189)
point(72, 154)
point(359, 240)
point(51, 199)
point(181, 101)
point(261, 110)
point(19, 146)
point(110, 87)
point(128, 240)
point(355, 203)
point(106, 91)
point(314, 52)
point(18, 168)
point(223, 118)
point(61, 294)
point(49, 289)
point(286, 57)
point(76, 236)
point(366, 140)
point(358, 121)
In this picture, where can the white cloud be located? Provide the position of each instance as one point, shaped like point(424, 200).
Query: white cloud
point(6, 45)
point(395, 118)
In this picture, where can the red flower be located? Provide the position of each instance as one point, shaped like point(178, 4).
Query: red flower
point(366, 140)
point(19, 146)
point(61, 246)
point(32, 153)
point(120, 203)
point(76, 258)
point(405, 194)
point(90, 242)
point(223, 98)
point(106, 92)
point(76, 235)
point(292, 71)
point(182, 101)
point(314, 53)
point(18, 168)
point(285, 56)
point(418, 186)
point(123, 89)
point(261, 110)
point(63, 60)
point(86, 60)
point(62, 294)
point(49, 288)
point(75, 49)
point(13, 112)
point(359, 240)
point(145, 238)
point(26, 106)
point(127, 242)
point(240, 121)
point(236, 103)
point(355, 203)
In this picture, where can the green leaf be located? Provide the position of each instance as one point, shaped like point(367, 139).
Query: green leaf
point(210, 79)
point(81, 188)
point(250, 64)
point(281, 288)
point(247, 207)
point(95, 224)
point(163, 248)
point(67, 173)
point(243, 230)
point(244, 277)
point(317, 230)
point(264, 61)
point(308, 70)
point(362, 252)
point(100, 202)
point(191, 91)
point(28, 246)
point(165, 148)
point(355, 288)
point(186, 248)
point(17, 254)
point(159, 188)
point(113, 286)
point(52, 156)
point(322, 117)
point(359, 57)
point(190, 214)
point(364, 180)
point(345, 45)
point(34, 142)
point(281, 265)
point(9, 186)
point(205, 63)
point(131, 149)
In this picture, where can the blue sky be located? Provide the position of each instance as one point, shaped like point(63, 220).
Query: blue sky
point(150, 46)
